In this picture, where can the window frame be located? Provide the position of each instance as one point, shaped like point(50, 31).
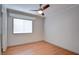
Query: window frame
point(23, 19)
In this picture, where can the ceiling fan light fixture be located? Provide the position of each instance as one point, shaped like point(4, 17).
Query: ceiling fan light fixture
point(40, 11)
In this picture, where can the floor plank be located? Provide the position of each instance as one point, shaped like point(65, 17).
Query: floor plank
point(39, 48)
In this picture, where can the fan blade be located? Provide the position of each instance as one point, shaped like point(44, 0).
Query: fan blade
point(46, 6)
point(34, 10)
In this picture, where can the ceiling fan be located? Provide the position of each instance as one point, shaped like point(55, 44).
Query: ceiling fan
point(42, 7)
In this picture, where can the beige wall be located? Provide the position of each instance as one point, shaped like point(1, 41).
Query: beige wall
point(62, 26)
point(37, 35)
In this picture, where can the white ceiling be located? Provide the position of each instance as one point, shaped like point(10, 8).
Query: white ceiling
point(27, 7)
point(23, 7)
point(55, 8)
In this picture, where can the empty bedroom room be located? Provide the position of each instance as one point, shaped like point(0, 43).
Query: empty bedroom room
point(40, 29)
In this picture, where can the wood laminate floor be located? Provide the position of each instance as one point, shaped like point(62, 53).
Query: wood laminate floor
point(38, 48)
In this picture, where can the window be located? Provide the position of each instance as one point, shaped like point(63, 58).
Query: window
point(22, 26)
